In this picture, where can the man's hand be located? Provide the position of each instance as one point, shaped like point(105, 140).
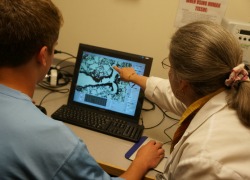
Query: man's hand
point(151, 154)
point(147, 157)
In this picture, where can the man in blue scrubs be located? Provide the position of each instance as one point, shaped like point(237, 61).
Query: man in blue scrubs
point(32, 145)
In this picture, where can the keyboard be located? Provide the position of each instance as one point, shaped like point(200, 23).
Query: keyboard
point(99, 122)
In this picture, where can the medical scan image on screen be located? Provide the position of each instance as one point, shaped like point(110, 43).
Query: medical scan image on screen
point(99, 85)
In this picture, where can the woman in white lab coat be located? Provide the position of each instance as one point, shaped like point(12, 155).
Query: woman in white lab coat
point(209, 88)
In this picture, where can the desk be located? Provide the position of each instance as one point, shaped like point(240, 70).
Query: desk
point(107, 150)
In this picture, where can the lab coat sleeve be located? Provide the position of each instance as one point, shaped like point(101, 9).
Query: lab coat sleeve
point(159, 91)
point(202, 168)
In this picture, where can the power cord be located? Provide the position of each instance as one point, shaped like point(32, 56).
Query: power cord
point(154, 125)
point(153, 108)
point(64, 60)
point(164, 115)
point(150, 102)
point(63, 91)
point(165, 132)
point(62, 52)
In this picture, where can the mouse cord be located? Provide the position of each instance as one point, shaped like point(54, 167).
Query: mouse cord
point(164, 115)
point(52, 91)
point(165, 132)
point(63, 60)
point(154, 125)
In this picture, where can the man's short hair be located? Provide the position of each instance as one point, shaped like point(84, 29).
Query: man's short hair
point(25, 27)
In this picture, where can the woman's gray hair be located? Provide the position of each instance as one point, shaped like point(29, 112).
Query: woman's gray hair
point(204, 53)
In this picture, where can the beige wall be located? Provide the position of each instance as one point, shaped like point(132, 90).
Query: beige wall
point(136, 26)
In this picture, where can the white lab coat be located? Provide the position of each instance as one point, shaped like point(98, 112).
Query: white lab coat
point(216, 145)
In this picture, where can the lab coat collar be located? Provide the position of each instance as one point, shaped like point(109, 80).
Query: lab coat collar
point(214, 105)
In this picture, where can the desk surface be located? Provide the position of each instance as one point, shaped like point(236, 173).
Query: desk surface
point(107, 150)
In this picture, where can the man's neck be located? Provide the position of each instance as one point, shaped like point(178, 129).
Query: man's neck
point(19, 79)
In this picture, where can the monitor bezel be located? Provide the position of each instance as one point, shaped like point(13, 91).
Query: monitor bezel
point(117, 54)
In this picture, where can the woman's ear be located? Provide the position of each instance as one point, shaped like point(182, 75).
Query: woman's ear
point(184, 85)
point(42, 56)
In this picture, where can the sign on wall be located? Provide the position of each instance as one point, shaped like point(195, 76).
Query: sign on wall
point(194, 10)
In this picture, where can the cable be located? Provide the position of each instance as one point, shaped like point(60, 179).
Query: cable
point(61, 69)
point(167, 133)
point(53, 91)
point(67, 67)
point(152, 104)
point(156, 124)
point(62, 61)
point(62, 52)
point(153, 108)
point(164, 115)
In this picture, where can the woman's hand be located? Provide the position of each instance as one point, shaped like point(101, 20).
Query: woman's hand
point(125, 73)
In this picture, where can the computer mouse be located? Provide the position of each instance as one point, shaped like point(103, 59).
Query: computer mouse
point(42, 109)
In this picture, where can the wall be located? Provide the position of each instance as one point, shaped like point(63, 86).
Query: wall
point(137, 26)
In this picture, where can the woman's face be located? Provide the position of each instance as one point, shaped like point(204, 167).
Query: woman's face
point(175, 84)
point(172, 79)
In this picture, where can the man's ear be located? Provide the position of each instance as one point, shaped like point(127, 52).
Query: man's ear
point(42, 56)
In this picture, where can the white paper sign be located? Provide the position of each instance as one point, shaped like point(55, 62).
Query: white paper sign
point(194, 10)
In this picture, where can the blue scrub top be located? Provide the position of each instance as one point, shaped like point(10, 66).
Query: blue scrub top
point(34, 146)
